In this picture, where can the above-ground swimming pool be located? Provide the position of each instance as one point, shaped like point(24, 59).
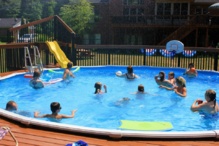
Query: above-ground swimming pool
point(102, 114)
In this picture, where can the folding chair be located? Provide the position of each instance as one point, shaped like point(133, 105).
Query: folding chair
point(4, 131)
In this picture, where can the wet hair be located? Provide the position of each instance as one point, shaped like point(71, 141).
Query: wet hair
point(212, 95)
point(36, 73)
point(140, 88)
point(11, 105)
point(69, 65)
point(97, 87)
point(54, 106)
point(172, 74)
point(191, 64)
point(163, 76)
point(130, 69)
point(181, 81)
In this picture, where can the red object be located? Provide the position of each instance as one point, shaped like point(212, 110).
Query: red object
point(200, 102)
point(28, 76)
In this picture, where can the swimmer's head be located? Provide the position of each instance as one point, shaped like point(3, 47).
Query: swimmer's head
point(180, 81)
point(125, 99)
point(54, 106)
point(69, 65)
point(11, 106)
point(162, 76)
point(97, 87)
point(140, 88)
point(211, 94)
point(171, 74)
point(191, 65)
point(36, 73)
point(129, 69)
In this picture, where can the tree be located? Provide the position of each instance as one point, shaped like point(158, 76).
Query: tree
point(78, 14)
point(31, 9)
point(48, 8)
point(9, 8)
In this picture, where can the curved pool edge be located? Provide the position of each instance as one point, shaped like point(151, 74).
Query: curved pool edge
point(110, 133)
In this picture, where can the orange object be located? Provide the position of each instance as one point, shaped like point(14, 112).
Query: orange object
point(28, 76)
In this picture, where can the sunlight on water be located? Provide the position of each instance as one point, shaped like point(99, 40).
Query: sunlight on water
point(104, 111)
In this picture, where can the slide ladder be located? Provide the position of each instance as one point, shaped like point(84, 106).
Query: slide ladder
point(33, 59)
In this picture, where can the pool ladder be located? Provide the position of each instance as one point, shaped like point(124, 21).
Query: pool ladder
point(32, 59)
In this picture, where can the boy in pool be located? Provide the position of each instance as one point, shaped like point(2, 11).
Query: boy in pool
point(55, 108)
point(98, 87)
point(130, 74)
point(171, 78)
point(140, 90)
point(11, 106)
point(192, 71)
point(180, 87)
point(67, 73)
point(36, 83)
point(210, 106)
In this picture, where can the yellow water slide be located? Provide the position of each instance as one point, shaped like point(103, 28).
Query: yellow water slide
point(58, 53)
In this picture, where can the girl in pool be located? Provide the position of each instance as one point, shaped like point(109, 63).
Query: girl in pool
point(36, 83)
point(210, 106)
point(129, 75)
point(55, 108)
point(160, 80)
point(191, 71)
point(67, 73)
point(180, 87)
point(98, 87)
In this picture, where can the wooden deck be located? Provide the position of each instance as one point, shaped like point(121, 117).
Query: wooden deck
point(36, 136)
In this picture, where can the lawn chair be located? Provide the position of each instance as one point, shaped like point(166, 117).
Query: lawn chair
point(4, 131)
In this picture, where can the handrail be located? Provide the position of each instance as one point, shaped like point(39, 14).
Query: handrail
point(64, 24)
point(32, 23)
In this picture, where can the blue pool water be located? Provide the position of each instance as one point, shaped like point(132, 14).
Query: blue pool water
point(102, 111)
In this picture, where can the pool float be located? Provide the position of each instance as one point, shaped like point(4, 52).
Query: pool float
point(189, 53)
point(28, 75)
point(61, 72)
point(53, 81)
point(149, 52)
point(118, 73)
point(145, 125)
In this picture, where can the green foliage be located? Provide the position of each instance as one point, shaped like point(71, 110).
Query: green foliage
point(42, 38)
point(9, 8)
point(31, 9)
point(48, 8)
point(78, 14)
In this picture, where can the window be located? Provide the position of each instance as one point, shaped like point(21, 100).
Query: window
point(172, 8)
point(133, 2)
point(92, 39)
point(86, 39)
point(97, 39)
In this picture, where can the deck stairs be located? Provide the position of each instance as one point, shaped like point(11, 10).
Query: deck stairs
point(33, 59)
point(181, 32)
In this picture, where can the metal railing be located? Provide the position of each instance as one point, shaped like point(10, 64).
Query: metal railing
point(96, 55)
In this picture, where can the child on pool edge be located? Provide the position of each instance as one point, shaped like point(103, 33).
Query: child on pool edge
point(98, 86)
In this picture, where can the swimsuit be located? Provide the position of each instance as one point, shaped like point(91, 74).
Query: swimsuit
point(128, 77)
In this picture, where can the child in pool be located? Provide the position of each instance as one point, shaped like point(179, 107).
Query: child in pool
point(171, 78)
point(67, 73)
point(124, 100)
point(140, 90)
point(130, 74)
point(55, 108)
point(192, 71)
point(36, 83)
point(160, 80)
point(98, 87)
point(11, 106)
point(180, 87)
point(210, 106)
